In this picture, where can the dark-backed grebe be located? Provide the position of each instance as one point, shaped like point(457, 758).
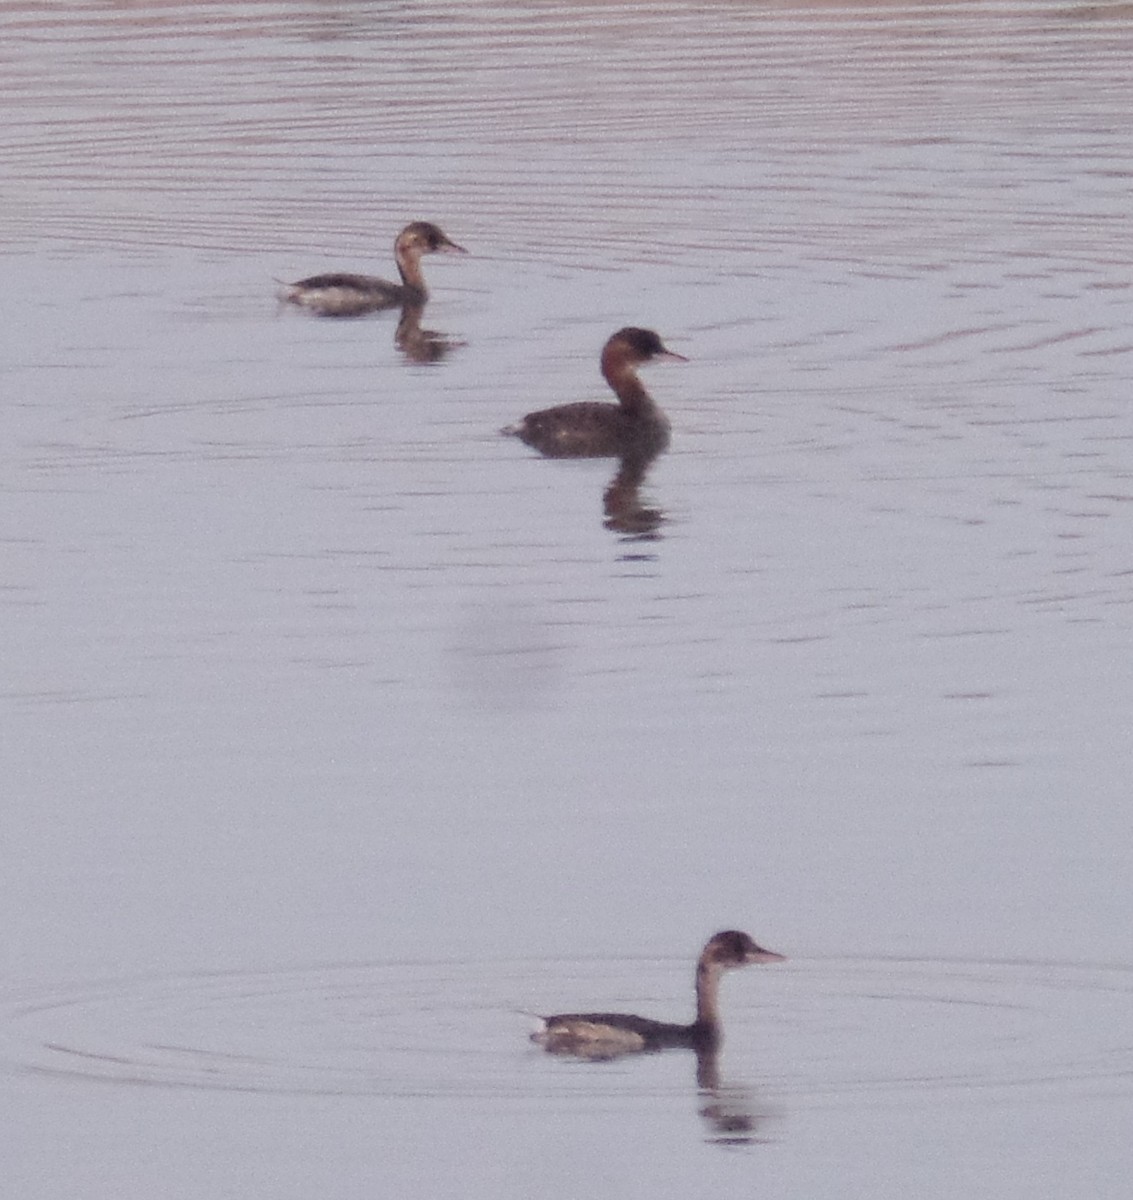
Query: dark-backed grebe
point(594, 429)
point(607, 1034)
point(343, 295)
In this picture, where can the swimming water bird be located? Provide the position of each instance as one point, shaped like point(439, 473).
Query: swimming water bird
point(609, 1034)
point(337, 294)
point(596, 429)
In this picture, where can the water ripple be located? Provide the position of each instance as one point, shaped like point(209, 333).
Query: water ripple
point(828, 1031)
point(222, 124)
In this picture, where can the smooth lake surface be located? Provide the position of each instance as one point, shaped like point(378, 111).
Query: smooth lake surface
point(340, 732)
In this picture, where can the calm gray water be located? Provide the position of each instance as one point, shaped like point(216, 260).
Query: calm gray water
point(340, 731)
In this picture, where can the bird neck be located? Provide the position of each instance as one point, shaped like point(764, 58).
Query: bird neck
point(707, 994)
point(409, 267)
point(628, 388)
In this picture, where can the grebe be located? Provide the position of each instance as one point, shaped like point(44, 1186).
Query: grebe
point(343, 295)
point(607, 1034)
point(594, 429)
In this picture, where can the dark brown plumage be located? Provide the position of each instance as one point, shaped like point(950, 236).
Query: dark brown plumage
point(594, 429)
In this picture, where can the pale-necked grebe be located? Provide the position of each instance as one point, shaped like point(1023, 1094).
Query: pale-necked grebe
point(343, 295)
point(594, 429)
point(615, 1033)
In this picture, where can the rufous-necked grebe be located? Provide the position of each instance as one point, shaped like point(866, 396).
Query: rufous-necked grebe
point(594, 429)
point(343, 295)
point(608, 1034)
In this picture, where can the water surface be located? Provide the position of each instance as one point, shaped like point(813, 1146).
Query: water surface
point(337, 727)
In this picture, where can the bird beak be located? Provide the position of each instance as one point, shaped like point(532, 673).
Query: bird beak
point(452, 248)
point(672, 355)
point(759, 955)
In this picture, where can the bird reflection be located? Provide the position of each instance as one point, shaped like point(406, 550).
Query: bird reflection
point(417, 344)
point(729, 1111)
point(622, 503)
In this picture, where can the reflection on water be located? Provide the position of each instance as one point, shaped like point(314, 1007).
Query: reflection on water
point(417, 344)
point(625, 511)
point(420, 345)
point(730, 1111)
